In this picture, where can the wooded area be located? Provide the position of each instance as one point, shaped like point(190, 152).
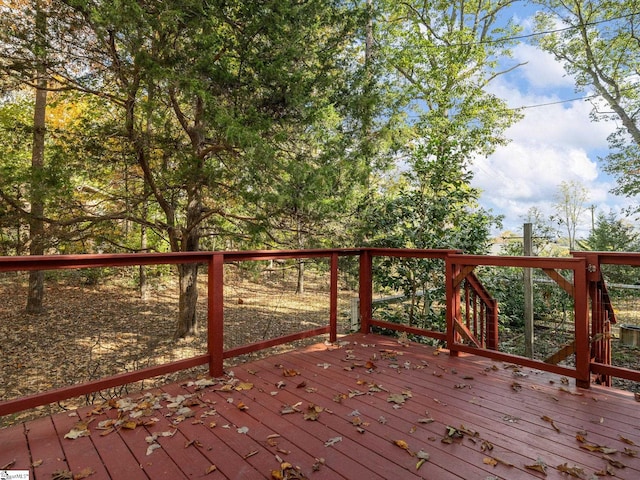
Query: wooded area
point(140, 126)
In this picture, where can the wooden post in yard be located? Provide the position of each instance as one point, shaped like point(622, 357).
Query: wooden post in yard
point(528, 294)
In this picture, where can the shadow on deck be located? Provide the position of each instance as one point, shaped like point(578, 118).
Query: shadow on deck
point(369, 407)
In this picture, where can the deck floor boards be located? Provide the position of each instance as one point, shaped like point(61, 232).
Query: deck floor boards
point(238, 425)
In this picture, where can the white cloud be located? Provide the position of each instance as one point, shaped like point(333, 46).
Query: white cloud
point(540, 69)
point(553, 143)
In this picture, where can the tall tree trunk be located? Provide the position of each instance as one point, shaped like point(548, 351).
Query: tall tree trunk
point(144, 284)
point(35, 294)
point(188, 272)
point(187, 317)
point(300, 283)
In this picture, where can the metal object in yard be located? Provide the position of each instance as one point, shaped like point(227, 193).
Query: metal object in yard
point(630, 335)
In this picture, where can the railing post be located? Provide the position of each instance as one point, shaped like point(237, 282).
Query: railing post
point(333, 301)
point(453, 302)
point(215, 315)
point(583, 349)
point(366, 291)
point(492, 326)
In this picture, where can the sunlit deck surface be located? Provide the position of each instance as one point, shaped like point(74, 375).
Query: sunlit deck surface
point(361, 410)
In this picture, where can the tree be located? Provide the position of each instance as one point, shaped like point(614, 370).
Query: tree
point(611, 234)
point(35, 294)
point(598, 43)
point(201, 101)
point(570, 205)
point(439, 59)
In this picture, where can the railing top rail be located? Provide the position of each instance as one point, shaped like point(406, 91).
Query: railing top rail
point(54, 262)
point(409, 252)
point(514, 261)
point(612, 258)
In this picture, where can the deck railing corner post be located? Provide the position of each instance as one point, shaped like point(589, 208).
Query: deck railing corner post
point(453, 302)
point(366, 290)
point(333, 301)
point(215, 315)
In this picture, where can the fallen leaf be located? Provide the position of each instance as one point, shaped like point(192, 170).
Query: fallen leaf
point(629, 452)
point(396, 398)
point(607, 470)
point(287, 409)
point(317, 464)
point(425, 420)
point(403, 445)
point(539, 466)
point(84, 473)
point(332, 441)
point(62, 475)
point(244, 386)
point(242, 406)
point(80, 429)
point(597, 448)
point(313, 412)
point(550, 420)
point(193, 442)
point(626, 440)
point(152, 447)
point(129, 424)
point(211, 468)
point(490, 461)
point(243, 430)
point(516, 387)
point(486, 446)
point(574, 471)
point(613, 462)
point(290, 372)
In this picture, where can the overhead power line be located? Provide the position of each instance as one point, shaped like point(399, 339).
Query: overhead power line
point(574, 99)
point(549, 32)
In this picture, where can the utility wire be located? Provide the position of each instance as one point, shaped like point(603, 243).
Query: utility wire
point(575, 99)
point(547, 32)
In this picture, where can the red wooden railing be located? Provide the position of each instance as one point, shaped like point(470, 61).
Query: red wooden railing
point(475, 323)
point(603, 315)
point(459, 267)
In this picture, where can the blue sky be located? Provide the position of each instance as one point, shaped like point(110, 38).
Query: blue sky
point(553, 143)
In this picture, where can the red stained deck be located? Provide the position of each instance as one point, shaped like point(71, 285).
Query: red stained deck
point(465, 391)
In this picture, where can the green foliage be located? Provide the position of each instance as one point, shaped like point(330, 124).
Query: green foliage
point(612, 234)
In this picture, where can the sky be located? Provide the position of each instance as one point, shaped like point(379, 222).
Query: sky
point(551, 144)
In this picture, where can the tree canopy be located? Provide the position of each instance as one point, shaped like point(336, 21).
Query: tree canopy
point(185, 125)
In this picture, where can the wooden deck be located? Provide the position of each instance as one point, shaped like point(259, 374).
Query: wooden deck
point(361, 410)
